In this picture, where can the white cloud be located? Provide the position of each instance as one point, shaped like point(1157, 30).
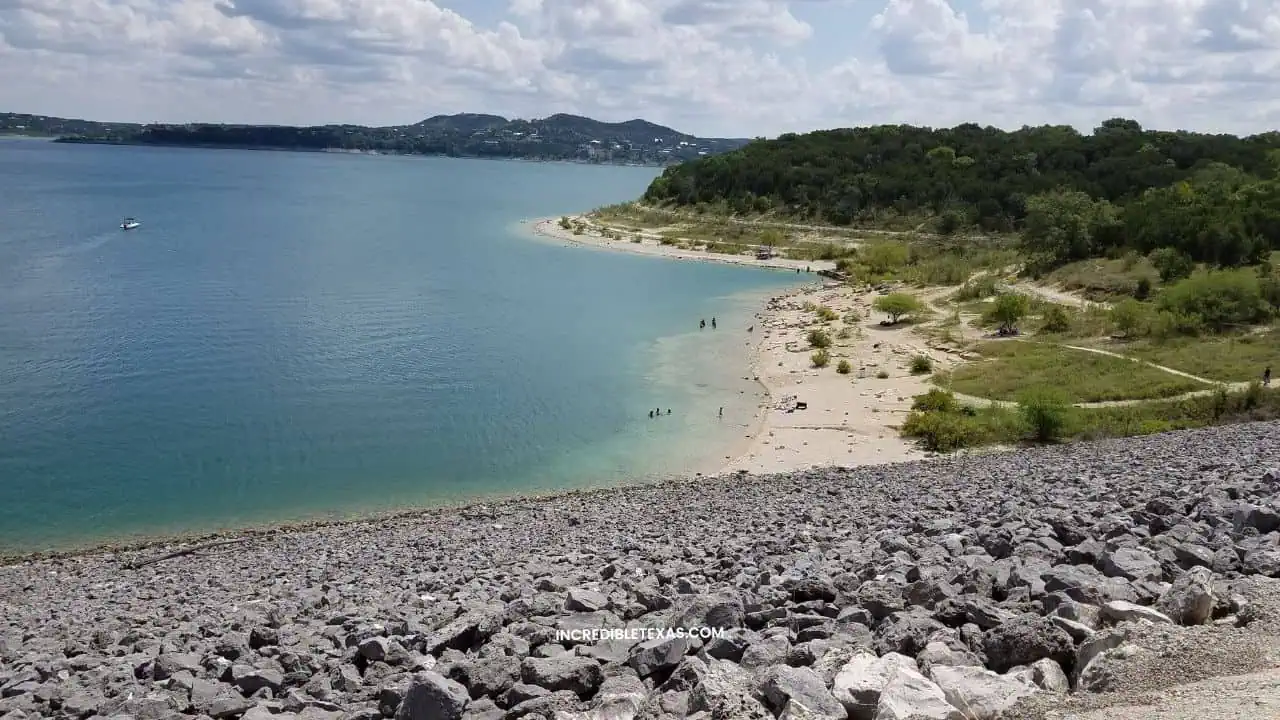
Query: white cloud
point(728, 67)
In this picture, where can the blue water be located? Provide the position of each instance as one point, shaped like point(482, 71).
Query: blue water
point(291, 335)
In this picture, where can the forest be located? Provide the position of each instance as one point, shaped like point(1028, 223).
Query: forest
point(1211, 198)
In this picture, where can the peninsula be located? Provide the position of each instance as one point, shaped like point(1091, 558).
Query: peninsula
point(558, 137)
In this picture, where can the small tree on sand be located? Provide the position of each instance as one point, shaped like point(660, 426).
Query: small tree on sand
point(897, 306)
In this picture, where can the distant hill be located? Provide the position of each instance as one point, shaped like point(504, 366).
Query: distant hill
point(558, 137)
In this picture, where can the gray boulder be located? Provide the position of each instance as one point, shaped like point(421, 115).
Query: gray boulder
point(911, 696)
point(979, 693)
point(1190, 600)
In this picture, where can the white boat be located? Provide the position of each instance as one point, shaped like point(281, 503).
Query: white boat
point(129, 224)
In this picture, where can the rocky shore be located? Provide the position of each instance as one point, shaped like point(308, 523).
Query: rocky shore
point(1021, 584)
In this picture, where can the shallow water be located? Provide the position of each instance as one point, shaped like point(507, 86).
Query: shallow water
point(294, 334)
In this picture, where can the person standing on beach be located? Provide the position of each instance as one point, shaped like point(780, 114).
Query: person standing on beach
point(721, 411)
point(713, 323)
point(1266, 377)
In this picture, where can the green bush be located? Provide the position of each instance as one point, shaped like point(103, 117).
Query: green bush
point(1045, 414)
point(885, 256)
point(844, 367)
point(852, 317)
point(1172, 264)
point(1007, 310)
point(1167, 324)
point(883, 374)
point(940, 431)
point(921, 365)
point(1142, 290)
point(1221, 298)
point(1055, 320)
point(935, 400)
point(1131, 317)
point(820, 359)
point(826, 314)
point(819, 338)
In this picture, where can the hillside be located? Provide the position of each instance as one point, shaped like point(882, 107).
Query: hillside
point(979, 175)
point(559, 137)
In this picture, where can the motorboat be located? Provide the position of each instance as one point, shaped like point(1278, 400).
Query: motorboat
point(129, 224)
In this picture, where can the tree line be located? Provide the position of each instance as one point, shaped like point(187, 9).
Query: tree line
point(1215, 198)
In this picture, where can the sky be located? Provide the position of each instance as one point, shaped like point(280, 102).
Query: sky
point(724, 68)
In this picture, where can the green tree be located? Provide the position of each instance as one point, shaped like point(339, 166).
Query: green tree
point(1007, 310)
point(1065, 225)
point(897, 306)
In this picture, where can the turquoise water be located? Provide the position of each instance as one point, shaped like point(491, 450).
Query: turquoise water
point(291, 335)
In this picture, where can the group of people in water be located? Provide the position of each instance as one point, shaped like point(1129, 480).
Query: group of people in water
point(702, 325)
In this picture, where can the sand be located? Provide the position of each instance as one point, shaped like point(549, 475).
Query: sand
point(649, 245)
point(849, 419)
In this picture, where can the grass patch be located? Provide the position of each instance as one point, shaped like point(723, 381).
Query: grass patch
point(1224, 359)
point(820, 359)
point(921, 365)
point(1015, 367)
point(826, 314)
point(1103, 278)
point(945, 425)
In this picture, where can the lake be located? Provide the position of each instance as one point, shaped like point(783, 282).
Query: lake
point(298, 335)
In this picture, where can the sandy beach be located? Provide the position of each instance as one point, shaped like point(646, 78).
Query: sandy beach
point(849, 420)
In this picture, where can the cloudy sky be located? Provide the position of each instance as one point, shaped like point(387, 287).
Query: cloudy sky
point(710, 67)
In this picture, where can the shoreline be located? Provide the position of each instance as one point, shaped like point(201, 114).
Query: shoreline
point(773, 442)
point(849, 418)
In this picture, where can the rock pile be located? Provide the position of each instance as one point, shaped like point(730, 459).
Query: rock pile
point(961, 588)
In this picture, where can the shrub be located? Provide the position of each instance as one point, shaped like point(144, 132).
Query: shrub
point(1132, 318)
point(921, 365)
point(564, 222)
point(826, 314)
point(1167, 324)
point(940, 431)
point(1007, 310)
point(883, 374)
point(885, 256)
point(1172, 264)
point(897, 305)
point(820, 359)
point(1221, 298)
point(1252, 396)
point(1055, 320)
point(1142, 290)
point(844, 367)
point(844, 334)
point(937, 400)
point(819, 338)
point(1045, 414)
point(852, 317)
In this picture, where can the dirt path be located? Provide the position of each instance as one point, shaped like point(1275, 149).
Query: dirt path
point(1054, 295)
